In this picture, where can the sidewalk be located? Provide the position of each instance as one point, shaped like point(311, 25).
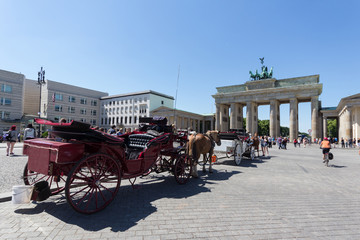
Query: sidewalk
point(17, 145)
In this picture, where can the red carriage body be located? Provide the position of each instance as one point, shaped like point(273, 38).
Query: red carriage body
point(90, 164)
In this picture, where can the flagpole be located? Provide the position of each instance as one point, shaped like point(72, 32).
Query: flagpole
point(177, 86)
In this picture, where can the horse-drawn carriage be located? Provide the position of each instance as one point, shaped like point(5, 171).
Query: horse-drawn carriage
point(89, 165)
point(237, 143)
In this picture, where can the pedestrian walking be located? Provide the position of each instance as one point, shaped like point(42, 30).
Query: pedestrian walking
point(11, 140)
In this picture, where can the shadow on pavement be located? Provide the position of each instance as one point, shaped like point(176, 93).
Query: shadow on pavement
point(336, 166)
point(246, 162)
point(130, 205)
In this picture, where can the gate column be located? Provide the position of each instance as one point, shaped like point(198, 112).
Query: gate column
point(249, 117)
point(274, 118)
point(293, 119)
point(217, 117)
point(224, 117)
point(314, 117)
point(236, 117)
point(255, 116)
point(325, 133)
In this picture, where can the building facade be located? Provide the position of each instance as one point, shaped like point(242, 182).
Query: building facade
point(347, 114)
point(59, 100)
point(124, 110)
point(186, 120)
point(11, 99)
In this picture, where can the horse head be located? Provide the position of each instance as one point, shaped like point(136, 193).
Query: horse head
point(214, 135)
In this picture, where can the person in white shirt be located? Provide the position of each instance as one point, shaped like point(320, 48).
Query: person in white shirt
point(29, 132)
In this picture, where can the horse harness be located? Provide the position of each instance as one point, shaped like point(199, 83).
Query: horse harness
point(211, 140)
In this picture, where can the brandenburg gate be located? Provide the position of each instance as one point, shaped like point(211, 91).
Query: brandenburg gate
point(230, 101)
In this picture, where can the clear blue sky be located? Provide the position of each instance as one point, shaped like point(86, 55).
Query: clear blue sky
point(126, 46)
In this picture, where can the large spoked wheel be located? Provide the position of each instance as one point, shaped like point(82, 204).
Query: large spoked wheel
point(56, 183)
point(238, 151)
point(182, 169)
point(93, 183)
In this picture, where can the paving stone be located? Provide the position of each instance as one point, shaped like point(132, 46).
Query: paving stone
point(290, 195)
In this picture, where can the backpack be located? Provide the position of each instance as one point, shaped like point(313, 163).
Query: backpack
point(7, 136)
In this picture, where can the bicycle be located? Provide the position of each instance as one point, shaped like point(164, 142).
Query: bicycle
point(326, 159)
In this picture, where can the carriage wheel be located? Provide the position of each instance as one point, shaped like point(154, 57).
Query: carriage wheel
point(56, 183)
point(93, 183)
point(238, 151)
point(182, 169)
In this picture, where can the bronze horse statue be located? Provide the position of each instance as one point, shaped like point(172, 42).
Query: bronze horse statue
point(202, 144)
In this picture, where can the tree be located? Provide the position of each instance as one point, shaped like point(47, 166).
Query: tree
point(332, 128)
point(263, 127)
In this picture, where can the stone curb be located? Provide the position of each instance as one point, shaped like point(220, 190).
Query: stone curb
point(5, 197)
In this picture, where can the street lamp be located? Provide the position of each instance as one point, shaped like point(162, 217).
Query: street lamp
point(41, 81)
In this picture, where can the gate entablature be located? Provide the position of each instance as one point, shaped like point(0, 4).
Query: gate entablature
point(271, 92)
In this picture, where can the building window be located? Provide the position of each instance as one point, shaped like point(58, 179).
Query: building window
point(58, 97)
point(57, 118)
point(129, 120)
point(82, 119)
point(125, 120)
point(143, 108)
point(135, 119)
point(58, 108)
point(83, 101)
point(117, 120)
point(69, 119)
point(71, 109)
point(83, 111)
point(71, 99)
point(4, 115)
point(93, 112)
point(109, 121)
point(5, 101)
point(92, 121)
point(6, 88)
point(162, 102)
point(93, 103)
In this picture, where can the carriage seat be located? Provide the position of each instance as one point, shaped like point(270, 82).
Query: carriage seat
point(136, 144)
point(139, 140)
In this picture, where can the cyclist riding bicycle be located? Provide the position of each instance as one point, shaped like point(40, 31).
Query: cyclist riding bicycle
point(325, 145)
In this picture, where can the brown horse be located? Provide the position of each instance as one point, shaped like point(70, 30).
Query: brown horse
point(202, 144)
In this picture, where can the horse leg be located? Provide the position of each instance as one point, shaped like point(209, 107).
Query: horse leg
point(204, 159)
point(194, 172)
point(210, 160)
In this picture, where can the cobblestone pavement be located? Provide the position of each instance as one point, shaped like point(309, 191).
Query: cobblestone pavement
point(288, 195)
